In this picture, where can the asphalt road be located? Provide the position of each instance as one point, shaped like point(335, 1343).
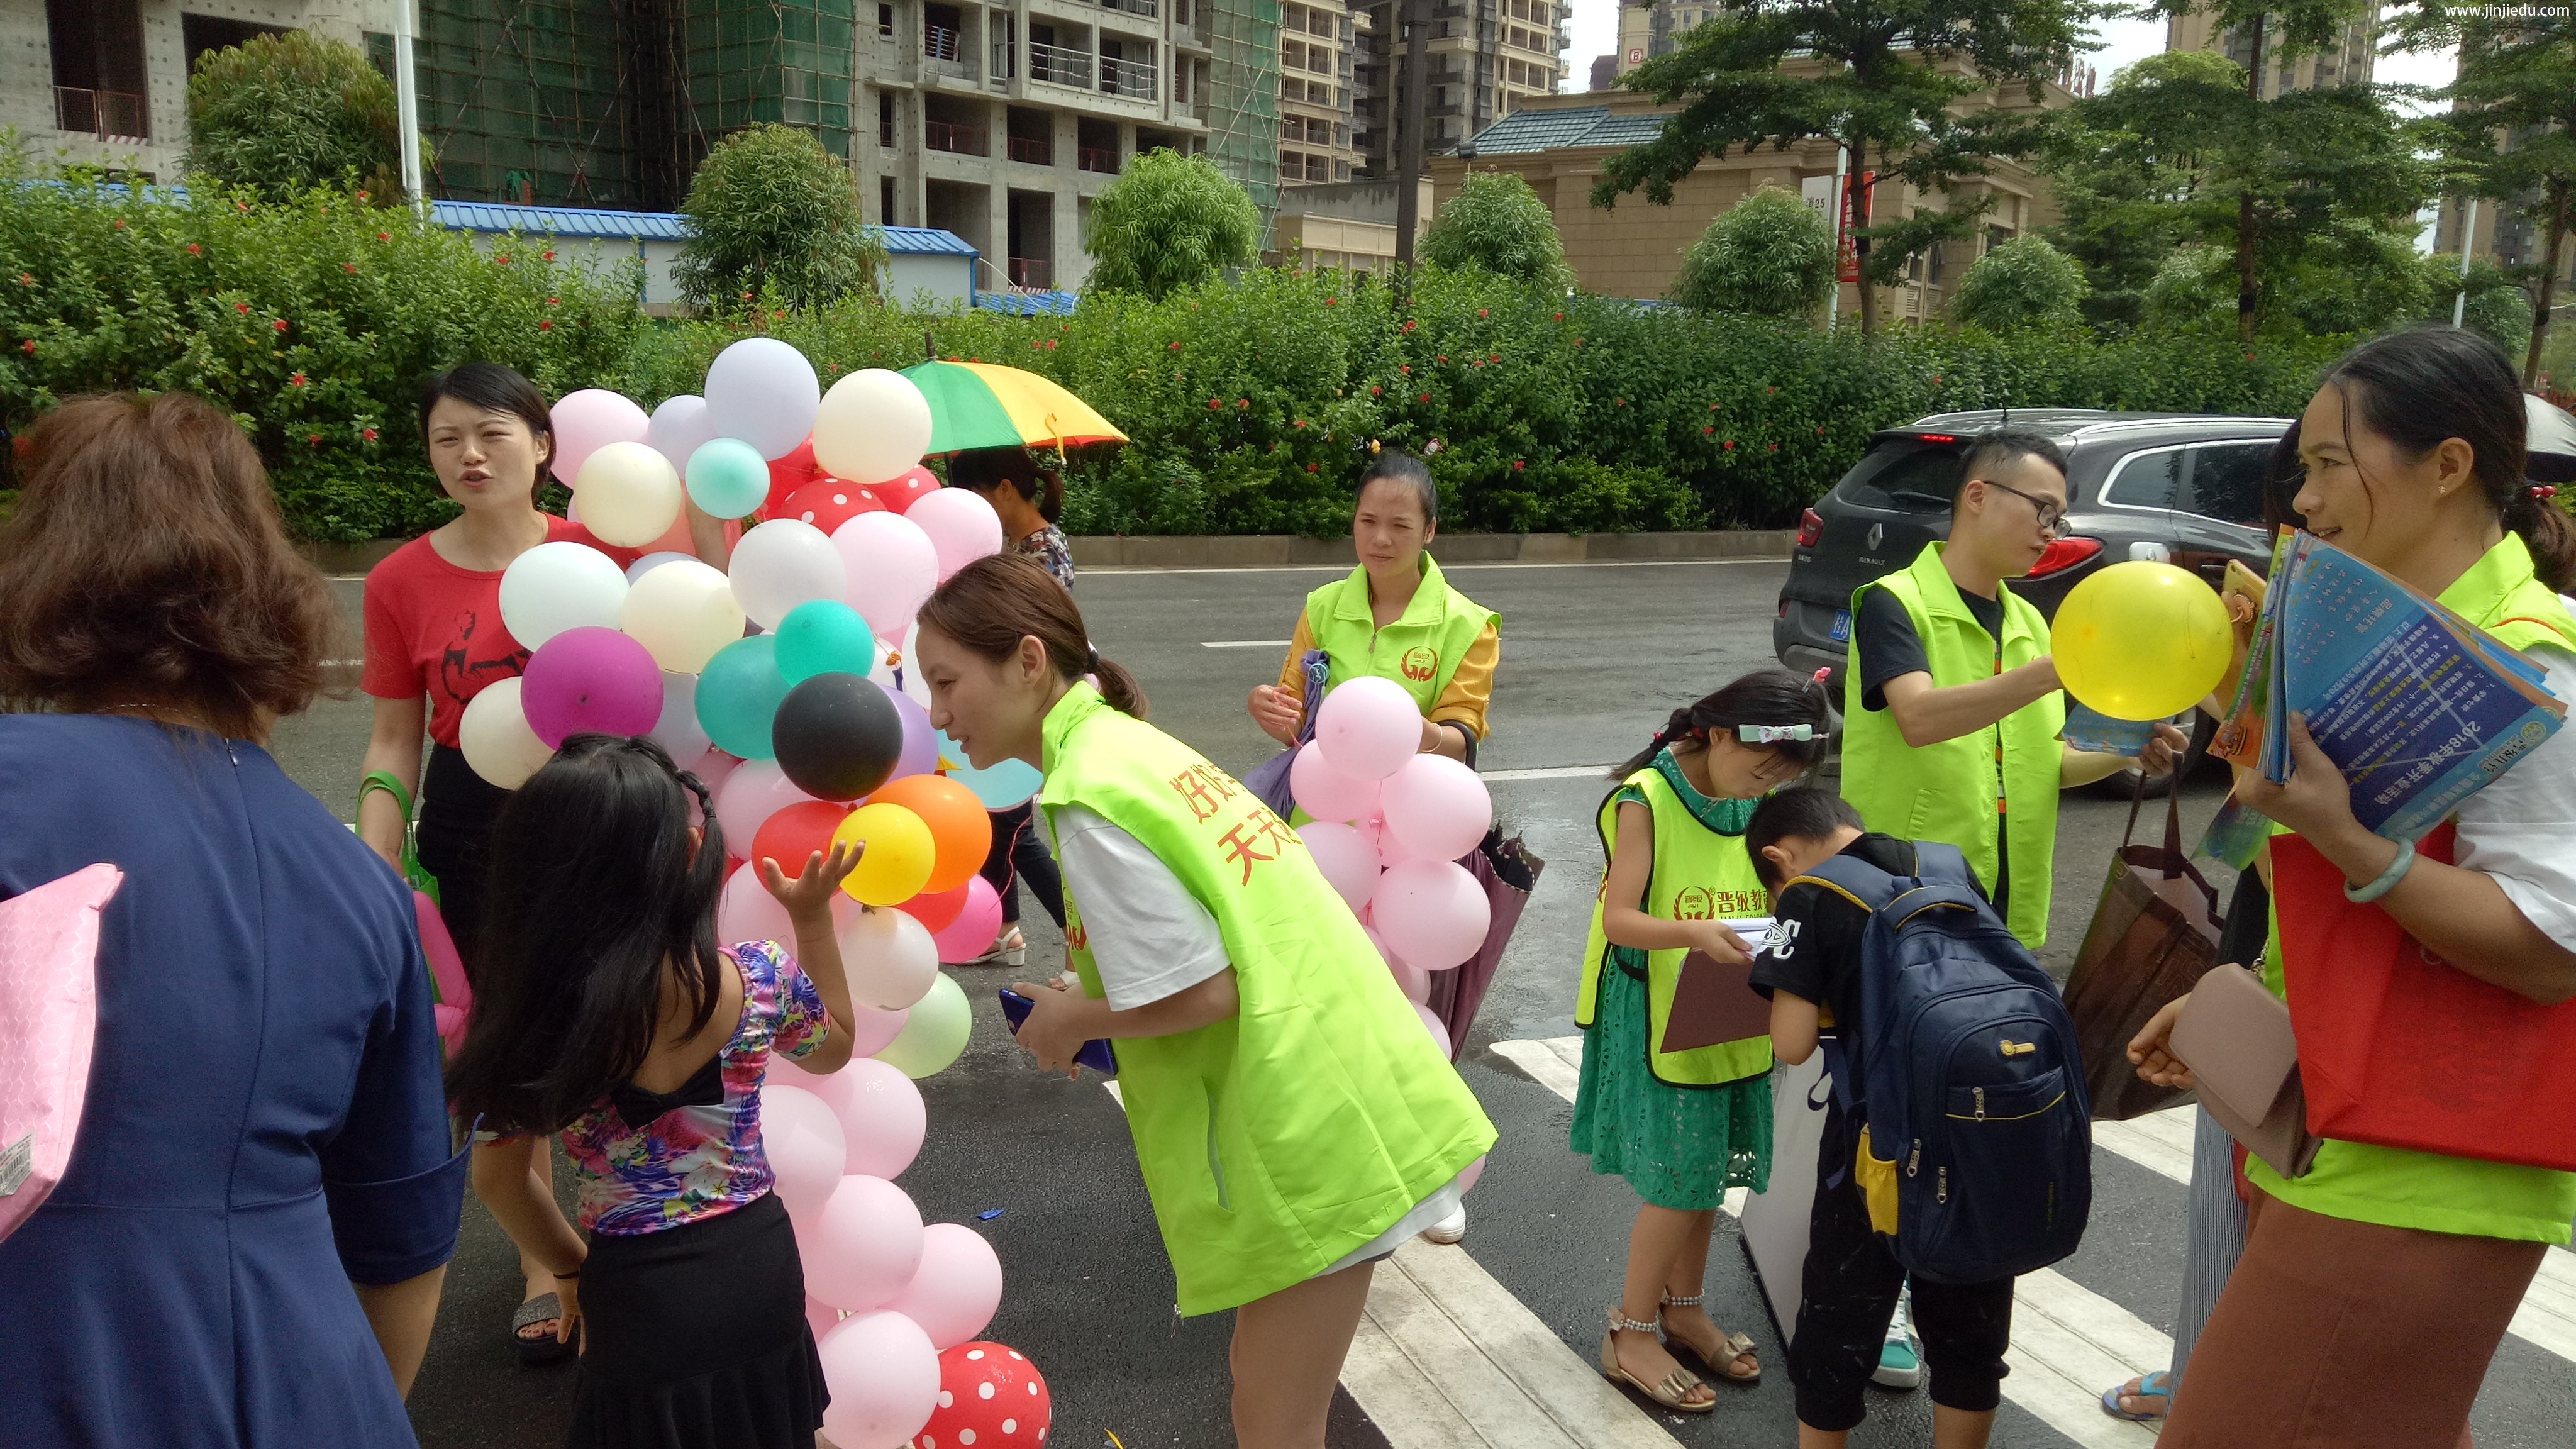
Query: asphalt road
point(1595, 656)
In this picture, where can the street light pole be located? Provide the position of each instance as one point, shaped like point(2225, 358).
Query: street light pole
point(1413, 26)
point(407, 104)
point(2468, 234)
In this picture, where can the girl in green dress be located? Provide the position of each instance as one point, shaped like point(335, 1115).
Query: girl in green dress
point(1683, 1119)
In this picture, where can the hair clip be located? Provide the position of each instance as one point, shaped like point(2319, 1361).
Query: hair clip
point(2544, 491)
point(1775, 734)
point(1821, 675)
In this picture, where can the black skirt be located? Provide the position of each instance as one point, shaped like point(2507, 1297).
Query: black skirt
point(697, 1338)
point(457, 809)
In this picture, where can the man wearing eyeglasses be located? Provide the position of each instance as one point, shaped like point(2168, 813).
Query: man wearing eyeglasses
point(1951, 703)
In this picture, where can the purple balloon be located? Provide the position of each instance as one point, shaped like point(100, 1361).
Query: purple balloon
point(591, 681)
point(920, 742)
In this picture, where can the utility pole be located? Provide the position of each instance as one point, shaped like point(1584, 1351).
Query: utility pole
point(407, 106)
point(1415, 27)
point(1842, 213)
point(2468, 235)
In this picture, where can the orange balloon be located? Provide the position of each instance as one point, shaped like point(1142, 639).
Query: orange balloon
point(958, 822)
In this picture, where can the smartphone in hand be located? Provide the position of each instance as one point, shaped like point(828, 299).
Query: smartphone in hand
point(1095, 1053)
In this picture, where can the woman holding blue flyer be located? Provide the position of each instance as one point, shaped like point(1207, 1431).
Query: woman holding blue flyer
point(2414, 456)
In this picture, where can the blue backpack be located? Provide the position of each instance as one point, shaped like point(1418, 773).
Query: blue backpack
point(1976, 1155)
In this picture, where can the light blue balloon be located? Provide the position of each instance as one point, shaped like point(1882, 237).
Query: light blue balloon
point(1007, 784)
point(738, 696)
point(727, 478)
point(824, 636)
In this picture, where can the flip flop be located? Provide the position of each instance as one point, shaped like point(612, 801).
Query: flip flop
point(545, 1348)
point(2156, 1385)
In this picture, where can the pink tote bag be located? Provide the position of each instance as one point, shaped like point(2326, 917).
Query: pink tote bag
point(48, 1020)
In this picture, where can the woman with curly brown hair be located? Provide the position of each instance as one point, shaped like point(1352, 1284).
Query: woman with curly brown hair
point(247, 1245)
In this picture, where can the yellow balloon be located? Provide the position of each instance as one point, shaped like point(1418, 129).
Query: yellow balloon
point(627, 494)
point(900, 852)
point(2141, 640)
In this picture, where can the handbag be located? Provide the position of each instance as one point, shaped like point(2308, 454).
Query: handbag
point(450, 994)
point(1269, 779)
point(419, 879)
point(2235, 1035)
point(2155, 931)
point(2400, 1048)
point(49, 1000)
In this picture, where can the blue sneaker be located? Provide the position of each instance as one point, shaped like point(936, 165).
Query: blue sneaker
point(1900, 1359)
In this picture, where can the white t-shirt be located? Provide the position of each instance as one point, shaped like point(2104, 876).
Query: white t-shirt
point(2522, 829)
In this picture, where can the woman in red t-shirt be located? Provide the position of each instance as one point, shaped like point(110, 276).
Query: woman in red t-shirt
point(435, 639)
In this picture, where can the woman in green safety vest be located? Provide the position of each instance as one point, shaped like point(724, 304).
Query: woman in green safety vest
point(1667, 1100)
point(1396, 617)
point(1293, 1120)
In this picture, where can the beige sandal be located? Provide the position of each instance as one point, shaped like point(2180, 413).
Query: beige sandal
point(1673, 1392)
point(1734, 1348)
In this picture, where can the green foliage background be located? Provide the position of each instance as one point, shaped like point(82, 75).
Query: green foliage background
point(1497, 223)
point(279, 113)
point(1770, 254)
point(770, 209)
point(2023, 283)
point(1169, 221)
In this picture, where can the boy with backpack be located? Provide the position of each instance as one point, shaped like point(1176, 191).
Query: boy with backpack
point(1957, 1146)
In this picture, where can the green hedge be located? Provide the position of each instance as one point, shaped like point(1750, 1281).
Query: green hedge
point(1251, 403)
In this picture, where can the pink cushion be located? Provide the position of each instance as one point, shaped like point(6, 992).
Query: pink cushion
point(48, 1020)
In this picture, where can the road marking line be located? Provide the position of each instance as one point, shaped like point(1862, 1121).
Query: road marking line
point(1552, 772)
point(2157, 1141)
point(1124, 570)
point(1244, 643)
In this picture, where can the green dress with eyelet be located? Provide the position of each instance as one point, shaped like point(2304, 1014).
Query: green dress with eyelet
point(1685, 1134)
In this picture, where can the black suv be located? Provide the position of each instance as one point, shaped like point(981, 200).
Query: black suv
point(2184, 489)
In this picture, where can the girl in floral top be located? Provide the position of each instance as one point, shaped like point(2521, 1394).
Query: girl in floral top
point(606, 1012)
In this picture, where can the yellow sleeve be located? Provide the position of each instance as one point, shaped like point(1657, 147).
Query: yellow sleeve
point(1291, 678)
point(1472, 687)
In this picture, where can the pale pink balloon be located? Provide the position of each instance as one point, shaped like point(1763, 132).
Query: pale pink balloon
point(1437, 807)
point(751, 794)
point(1472, 1174)
point(803, 1141)
point(862, 1246)
point(589, 420)
point(892, 567)
point(891, 958)
point(1431, 911)
point(821, 1317)
point(961, 525)
point(714, 767)
point(958, 1288)
point(882, 1117)
point(1412, 980)
point(746, 911)
point(883, 1375)
point(972, 933)
point(1390, 849)
point(1431, 1024)
point(1344, 856)
point(1325, 792)
point(1368, 727)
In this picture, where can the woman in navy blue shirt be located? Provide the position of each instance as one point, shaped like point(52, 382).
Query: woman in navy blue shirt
point(247, 1245)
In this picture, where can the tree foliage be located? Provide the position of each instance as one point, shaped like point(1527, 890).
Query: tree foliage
point(1170, 221)
point(771, 209)
point(2117, 189)
point(1769, 254)
point(280, 113)
point(2023, 283)
point(1497, 223)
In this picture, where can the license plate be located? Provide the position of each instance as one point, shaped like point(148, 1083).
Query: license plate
point(1842, 626)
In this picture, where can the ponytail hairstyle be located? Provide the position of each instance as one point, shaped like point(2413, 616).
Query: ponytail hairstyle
point(982, 470)
point(593, 884)
point(2422, 386)
point(990, 605)
point(1412, 472)
point(1772, 696)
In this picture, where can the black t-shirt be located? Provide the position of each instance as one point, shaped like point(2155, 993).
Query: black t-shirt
point(1889, 647)
point(1814, 950)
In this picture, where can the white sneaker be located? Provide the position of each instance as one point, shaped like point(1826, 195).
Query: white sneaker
point(1449, 1229)
point(1900, 1359)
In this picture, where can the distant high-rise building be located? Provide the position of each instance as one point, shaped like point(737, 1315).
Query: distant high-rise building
point(1654, 28)
point(1485, 57)
point(1318, 71)
point(1605, 72)
point(2347, 62)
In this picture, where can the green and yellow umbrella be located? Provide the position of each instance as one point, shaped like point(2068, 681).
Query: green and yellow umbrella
point(984, 405)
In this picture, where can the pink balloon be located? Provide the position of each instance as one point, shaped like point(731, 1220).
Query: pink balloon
point(589, 420)
point(972, 933)
point(1368, 727)
point(1390, 850)
point(803, 1141)
point(881, 1115)
point(1431, 1024)
point(755, 791)
point(1324, 792)
point(821, 1317)
point(1473, 1173)
point(1432, 912)
point(958, 1288)
point(862, 1246)
point(961, 525)
point(590, 681)
point(1412, 980)
point(1344, 856)
point(746, 911)
point(892, 567)
point(713, 769)
point(883, 1375)
point(1437, 807)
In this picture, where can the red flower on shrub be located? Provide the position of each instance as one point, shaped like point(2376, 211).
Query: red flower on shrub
point(1442, 361)
point(1493, 357)
point(384, 236)
point(350, 267)
point(2249, 357)
point(1176, 346)
point(1775, 447)
point(1936, 379)
point(1618, 402)
point(550, 254)
point(1243, 402)
point(1480, 311)
point(1329, 302)
point(1729, 445)
point(1560, 316)
point(1426, 397)
point(120, 223)
point(1405, 367)
point(26, 279)
point(367, 433)
point(1712, 407)
point(1374, 390)
point(554, 301)
point(548, 325)
point(195, 250)
point(242, 307)
point(1408, 324)
point(313, 440)
point(295, 379)
point(1706, 431)
point(28, 347)
point(1578, 342)
point(1516, 465)
point(362, 196)
point(1820, 432)
point(1301, 422)
point(1310, 467)
point(277, 324)
point(1213, 405)
point(242, 206)
point(1769, 390)
point(502, 260)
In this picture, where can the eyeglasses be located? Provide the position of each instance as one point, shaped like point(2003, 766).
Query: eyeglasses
point(2052, 519)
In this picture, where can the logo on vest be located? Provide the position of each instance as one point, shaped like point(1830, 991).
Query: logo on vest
point(1420, 663)
point(1074, 935)
point(1695, 903)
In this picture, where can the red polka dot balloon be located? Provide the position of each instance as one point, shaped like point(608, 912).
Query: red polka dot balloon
point(989, 1398)
point(902, 492)
point(827, 503)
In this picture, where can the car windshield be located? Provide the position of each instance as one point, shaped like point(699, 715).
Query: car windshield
point(1902, 476)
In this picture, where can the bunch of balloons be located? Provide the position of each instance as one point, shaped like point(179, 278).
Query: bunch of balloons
point(1389, 826)
point(2141, 640)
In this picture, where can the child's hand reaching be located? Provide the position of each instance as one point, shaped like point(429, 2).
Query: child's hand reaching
point(809, 896)
point(1720, 942)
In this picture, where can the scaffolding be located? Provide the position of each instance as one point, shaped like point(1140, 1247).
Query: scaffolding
point(1243, 100)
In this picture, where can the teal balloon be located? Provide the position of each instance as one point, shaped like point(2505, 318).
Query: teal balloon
point(738, 696)
point(727, 478)
point(1007, 784)
point(824, 636)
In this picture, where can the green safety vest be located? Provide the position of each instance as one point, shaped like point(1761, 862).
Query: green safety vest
point(1699, 875)
point(1278, 1141)
point(1965, 791)
point(1420, 650)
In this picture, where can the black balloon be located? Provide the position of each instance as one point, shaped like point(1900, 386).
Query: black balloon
point(837, 736)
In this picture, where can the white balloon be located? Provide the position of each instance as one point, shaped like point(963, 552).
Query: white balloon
point(652, 561)
point(783, 563)
point(678, 731)
point(682, 613)
point(630, 495)
point(916, 685)
point(804, 1142)
point(872, 426)
point(559, 586)
point(496, 739)
point(890, 957)
point(764, 392)
point(680, 425)
point(961, 525)
point(892, 569)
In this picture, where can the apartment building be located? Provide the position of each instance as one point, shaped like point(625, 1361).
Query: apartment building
point(2347, 62)
point(1319, 44)
point(1652, 29)
point(1487, 58)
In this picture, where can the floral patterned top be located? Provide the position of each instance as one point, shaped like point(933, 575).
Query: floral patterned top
point(1048, 547)
point(641, 1170)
